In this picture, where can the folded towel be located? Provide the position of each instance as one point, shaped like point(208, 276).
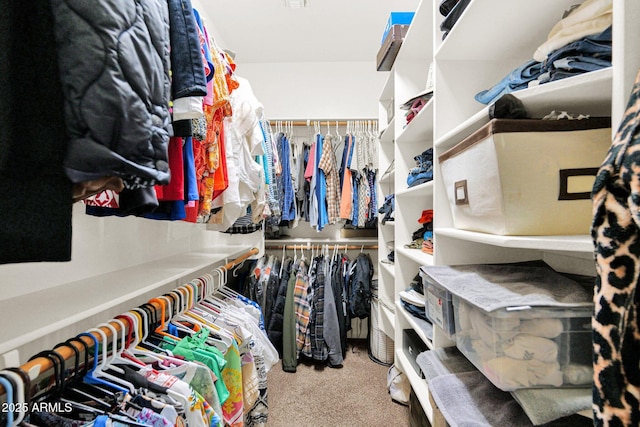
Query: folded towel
point(510, 374)
point(468, 399)
point(548, 404)
point(527, 347)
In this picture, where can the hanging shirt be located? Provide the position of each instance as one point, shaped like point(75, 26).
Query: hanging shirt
point(288, 204)
point(321, 186)
point(319, 349)
point(346, 200)
point(312, 166)
point(233, 409)
point(302, 307)
point(329, 166)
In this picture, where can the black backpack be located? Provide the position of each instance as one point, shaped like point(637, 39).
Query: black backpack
point(359, 286)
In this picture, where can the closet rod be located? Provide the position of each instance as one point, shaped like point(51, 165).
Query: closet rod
point(322, 122)
point(304, 246)
point(40, 369)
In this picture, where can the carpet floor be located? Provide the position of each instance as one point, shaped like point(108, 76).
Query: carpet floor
point(318, 396)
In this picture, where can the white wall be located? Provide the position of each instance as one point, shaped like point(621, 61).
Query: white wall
point(316, 90)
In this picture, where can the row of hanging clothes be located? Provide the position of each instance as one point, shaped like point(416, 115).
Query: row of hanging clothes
point(309, 300)
point(323, 177)
point(201, 362)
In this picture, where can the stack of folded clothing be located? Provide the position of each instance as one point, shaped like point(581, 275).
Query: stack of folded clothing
point(413, 300)
point(580, 42)
point(423, 237)
point(415, 107)
point(423, 171)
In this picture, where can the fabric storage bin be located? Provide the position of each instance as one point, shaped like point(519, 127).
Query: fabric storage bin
point(522, 325)
point(439, 306)
point(526, 177)
point(532, 348)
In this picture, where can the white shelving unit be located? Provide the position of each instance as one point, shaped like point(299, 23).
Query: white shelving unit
point(474, 56)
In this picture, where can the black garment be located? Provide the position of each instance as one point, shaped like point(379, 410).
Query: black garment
point(452, 17)
point(359, 286)
point(276, 324)
point(114, 64)
point(338, 286)
point(36, 196)
point(271, 290)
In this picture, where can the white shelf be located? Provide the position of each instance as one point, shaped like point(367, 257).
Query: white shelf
point(388, 268)
point(420, 128)
point(417, 44)
point(422, 190)
point(415, 255)
point(63, 308)
point(578, 243)
point(387, 134)
point(388, 319)
point(388, 176)
point(588, 93)
point(520, 31)
point(387, 90)
point(423, 328)
point(418, 384)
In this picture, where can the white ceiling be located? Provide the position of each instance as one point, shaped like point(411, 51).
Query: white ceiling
point(324, 31)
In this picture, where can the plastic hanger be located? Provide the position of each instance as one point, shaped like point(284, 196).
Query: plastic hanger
point(98, 371)
point(163, 323)
point(79, 377)
point(8, 389)
point(122, 357)
point(18, 396)
point(145, 334)
point(79, 388)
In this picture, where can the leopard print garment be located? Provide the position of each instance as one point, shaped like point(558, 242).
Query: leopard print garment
point(616, 235)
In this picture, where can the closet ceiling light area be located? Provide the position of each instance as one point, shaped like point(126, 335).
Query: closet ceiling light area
point(322, 31)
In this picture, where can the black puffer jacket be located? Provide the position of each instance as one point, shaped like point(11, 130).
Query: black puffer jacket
point(114, 66)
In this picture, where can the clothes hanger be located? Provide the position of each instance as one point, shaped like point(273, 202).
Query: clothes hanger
point(160, 330)
point(58, 362)
point(78, 388)
point(121, 357)
point(98, 370)
point(135, 347)
point(80, 375)
point(19, 396)
point(145, 334)
point(8, 389)
point(59, 369)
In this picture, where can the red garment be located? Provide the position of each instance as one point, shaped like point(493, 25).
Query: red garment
point(427, 216)
point(175, 189)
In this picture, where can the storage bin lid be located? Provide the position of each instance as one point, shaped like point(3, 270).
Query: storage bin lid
point(503, 286)
point(524, 125)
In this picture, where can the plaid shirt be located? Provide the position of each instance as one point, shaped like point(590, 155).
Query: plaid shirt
point(329, 165)
point(319, 348)
point(302, 307)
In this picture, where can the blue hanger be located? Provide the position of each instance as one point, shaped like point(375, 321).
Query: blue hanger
point(90, 378)
point(8, 387)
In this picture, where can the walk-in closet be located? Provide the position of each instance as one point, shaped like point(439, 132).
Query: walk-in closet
point(319, 213)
